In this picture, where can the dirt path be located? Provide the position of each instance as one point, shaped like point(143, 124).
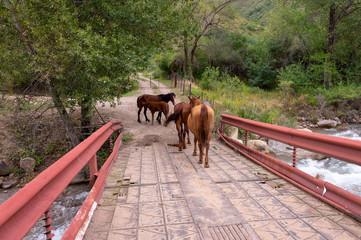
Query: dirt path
point(143, 133)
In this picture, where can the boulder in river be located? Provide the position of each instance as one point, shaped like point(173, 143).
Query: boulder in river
point(259, 145)
point(327, 123)
point(4, 168)
point(10, 184)
point(28, 164)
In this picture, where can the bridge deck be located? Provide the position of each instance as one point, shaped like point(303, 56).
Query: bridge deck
point(156, 192)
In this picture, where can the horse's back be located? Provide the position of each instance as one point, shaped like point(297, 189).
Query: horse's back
point(197, 122)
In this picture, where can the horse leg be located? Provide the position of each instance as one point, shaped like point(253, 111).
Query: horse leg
point(200, 146)
point(145, 114)
point(184, 137)
point(195, 146)
point(206, 164)
point(152, 118)
point(159, 117)
point(140, 109)
point(179, 130)
point(186, 130)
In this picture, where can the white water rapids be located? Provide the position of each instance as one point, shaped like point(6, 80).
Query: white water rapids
point(340, 173)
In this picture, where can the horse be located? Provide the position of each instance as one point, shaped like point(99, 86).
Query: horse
point(180, 116)
point(201, 123)
point(141, 100)
point(161, 107)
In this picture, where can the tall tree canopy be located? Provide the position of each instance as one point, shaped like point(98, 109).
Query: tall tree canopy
point(80, 51)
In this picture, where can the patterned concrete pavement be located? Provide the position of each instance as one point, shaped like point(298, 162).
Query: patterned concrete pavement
point(156, 192)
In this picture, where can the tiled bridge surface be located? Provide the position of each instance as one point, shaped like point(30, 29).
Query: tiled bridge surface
point(156, 192)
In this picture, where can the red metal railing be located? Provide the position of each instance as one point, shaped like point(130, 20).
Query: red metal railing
point(340, 148)
point(19, 213)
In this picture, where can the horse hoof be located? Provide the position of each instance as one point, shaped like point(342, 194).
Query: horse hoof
point(194, 154)
point(139, 121)
point(206, 165)
point(147, 120)
point(200, 162)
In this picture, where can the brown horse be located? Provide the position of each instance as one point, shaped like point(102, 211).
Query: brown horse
point(161, 107)
point(201, 123)
point(180, 116)
point(143, 99)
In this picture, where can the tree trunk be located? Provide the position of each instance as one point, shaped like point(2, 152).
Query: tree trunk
point(70, 131)
point(327, 78)
point(185, 63)
point(86, 116)
point(193, 51)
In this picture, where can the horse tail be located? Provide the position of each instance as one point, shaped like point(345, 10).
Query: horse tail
point(204, 126)
point(174, 116)
point(138, 101)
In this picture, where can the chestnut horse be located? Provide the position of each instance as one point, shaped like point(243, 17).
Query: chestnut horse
point(143, 99)
point(201, 123)
point(180, 117)
point(161, 107)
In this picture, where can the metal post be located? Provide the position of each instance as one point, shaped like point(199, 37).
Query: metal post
point(221, 127)
point(48, 222)
point(294, 157)
point(246, 138)
point(111, 143)
point(93, 170)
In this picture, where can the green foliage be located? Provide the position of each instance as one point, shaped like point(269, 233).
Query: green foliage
point(127, 137)
point(293, 77)
point(321, 63)
point(212, 78)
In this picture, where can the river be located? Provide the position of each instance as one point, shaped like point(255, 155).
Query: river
point(342, 174)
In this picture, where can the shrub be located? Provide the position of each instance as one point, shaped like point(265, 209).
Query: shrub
point(293, 77)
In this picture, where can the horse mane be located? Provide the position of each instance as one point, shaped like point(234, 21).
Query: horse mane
point(166, 97)
point(204, 124)
point(174, 116)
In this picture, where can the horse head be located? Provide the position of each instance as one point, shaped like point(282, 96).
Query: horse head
point(172, 97)
point(194, 101)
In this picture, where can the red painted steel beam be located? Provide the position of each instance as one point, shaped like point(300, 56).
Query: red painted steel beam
point(341, 148)
point(93, 196)
point(22, 211)
point(327, 192)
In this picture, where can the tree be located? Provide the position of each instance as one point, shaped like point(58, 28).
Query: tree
point(206, 15)
point(332, 15)
point(82, 51)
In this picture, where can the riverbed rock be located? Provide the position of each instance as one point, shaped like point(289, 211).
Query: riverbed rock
point(28, 164)
point(4, 168)
point(10, 184)
point(234, 133)
point(259, 145)
point(327, 123)
point(81, 177)
point(282, 149)
point(343, 128)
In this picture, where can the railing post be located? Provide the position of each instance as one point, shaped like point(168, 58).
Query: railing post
point(48, 222)
point(221, 127)
point(246, 138)
point(93, 169)
point(294, 157)
point(111, 143)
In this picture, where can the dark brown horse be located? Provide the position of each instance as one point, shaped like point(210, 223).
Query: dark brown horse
point(160, 107)
point(180, 117)
point(201, 123)
point(143, 99)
